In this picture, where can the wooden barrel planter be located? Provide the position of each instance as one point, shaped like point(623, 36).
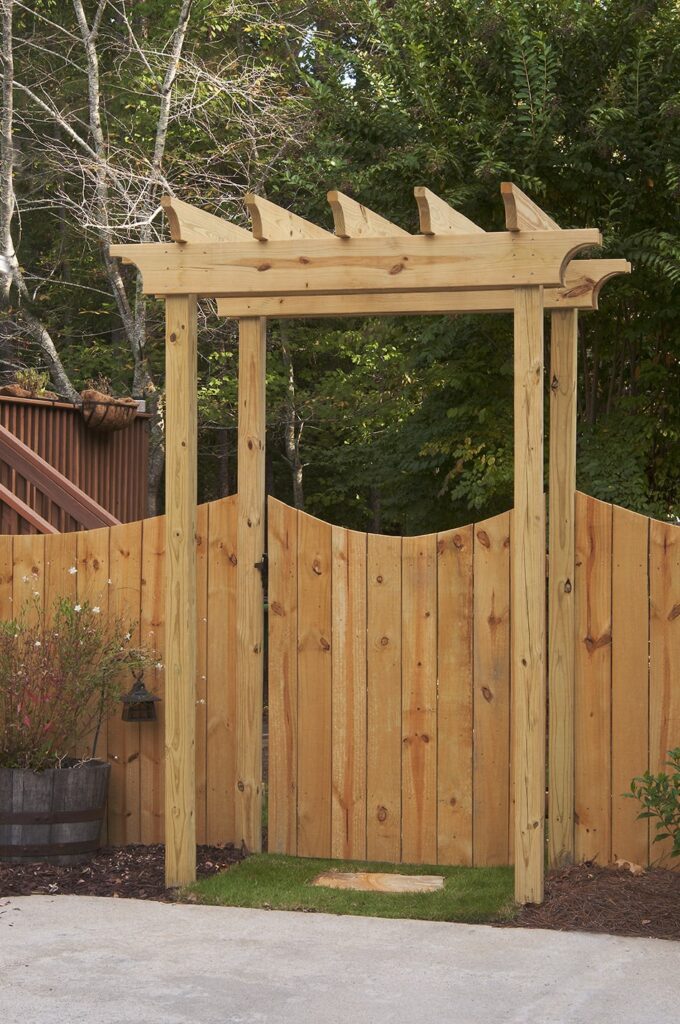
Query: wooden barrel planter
point(53, 816)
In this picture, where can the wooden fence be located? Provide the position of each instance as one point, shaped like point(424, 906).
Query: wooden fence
point(389, 686)
point(110, 468)
point(121, 569)
point(389, 678)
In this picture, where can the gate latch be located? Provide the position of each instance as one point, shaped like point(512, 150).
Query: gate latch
point(263, 568)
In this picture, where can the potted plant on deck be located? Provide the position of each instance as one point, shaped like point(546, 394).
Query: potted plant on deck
point(61, 676)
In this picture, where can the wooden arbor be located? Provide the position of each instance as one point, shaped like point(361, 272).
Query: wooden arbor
point(289, 267)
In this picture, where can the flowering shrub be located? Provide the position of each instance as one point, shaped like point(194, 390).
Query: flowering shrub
point(61, 676)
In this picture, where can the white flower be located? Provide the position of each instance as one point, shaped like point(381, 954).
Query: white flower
point(159, 665)
point(24, 579)
point(128, 636)
point(109, 582)
point(37, 644)
point(77, 607)
point(73, 570)
point(96, 610)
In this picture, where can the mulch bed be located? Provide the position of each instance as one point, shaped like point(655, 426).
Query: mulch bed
point(590, 898)
point(126, 871)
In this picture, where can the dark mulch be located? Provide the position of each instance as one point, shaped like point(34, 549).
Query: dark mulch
point(590, 898)
point(128, 871)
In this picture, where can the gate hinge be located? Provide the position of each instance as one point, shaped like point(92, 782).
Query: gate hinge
point(263, 568)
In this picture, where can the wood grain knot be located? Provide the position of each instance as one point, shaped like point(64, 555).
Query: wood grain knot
point(240, 786)
point(425, 738)
point(595, 643)
point(316, 567)
point(95, 564)
point(233, 559)
point(305, 259)
point(173, 336)
point(276, 608)
point(378, 579)
point(382, 814)
point(324, 643)
point(483, 538)
point(487, 694)
point(396, 269)
point(452, 802)
point(35, 571)
point(674, 612)
point(458, 542)
point(568, 587)
point(264, 266)
point(384, 640)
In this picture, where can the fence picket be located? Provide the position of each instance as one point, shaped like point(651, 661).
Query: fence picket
point(314, 687)
point(419, 699)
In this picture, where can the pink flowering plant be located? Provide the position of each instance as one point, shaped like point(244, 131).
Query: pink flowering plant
point(61, 676)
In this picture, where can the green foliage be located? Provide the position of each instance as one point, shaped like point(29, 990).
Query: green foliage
point(35, 381)
point(660, 797)
point(60, 677)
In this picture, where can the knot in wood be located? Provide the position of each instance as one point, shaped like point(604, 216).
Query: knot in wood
point(483, 538)
point(382, 814)
point(384, 641)
point(378, 579)
point(568, 587)
point(487, 694)
point(458, 542)
point(316, 567)
point(324, 643)
point(240, 786)
point(396, 269)
point(264, 266)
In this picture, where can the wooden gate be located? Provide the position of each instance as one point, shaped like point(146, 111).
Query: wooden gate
point(389, 687)
point(389, 692)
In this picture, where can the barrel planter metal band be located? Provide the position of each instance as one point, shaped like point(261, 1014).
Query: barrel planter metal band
point(55, 815)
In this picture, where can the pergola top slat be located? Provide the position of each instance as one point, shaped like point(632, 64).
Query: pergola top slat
point(583, 282)
point(336, 265)
point(352, 220)
point(189, 224)
point(273, 223)
point(522, 213)
point(438, 218)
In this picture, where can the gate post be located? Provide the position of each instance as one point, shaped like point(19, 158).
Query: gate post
point(561, 490)
point(249, 593)
point(180, 590)
point(528, 599)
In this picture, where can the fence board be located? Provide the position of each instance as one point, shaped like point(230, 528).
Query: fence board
point(383, 661)
point(664, 717)
point(630, 679)
point(125, 564)
point(202, 513)
point(314, 687)
point(152, 635)
point(491, 761)
point(221, 664)
point(592, 704)
point(455, 673)
point(348, 702)
point(419, 699)
point(283, 693)
point(92, 547)
point(6, 578)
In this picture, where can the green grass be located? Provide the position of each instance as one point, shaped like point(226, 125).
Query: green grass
point(276, 882)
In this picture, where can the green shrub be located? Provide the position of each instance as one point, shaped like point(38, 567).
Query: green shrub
point(660, 798)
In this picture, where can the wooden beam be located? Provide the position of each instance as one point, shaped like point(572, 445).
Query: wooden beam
point(583, 282)
point(28, 514)
point(271, 221)
point(528, 600)
point(189, 224)
point(352, 220)
point(561, 666)
point(335, 265)
point(180, 589)
point(249, 590)
point(438, 218)
point(522, 213)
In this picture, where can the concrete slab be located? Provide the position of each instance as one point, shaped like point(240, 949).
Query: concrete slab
point(105, 961)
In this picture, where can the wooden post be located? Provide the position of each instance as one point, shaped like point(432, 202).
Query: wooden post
point(561, 490)
point(180, 590)
point(250, 597)
point(528, 599)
